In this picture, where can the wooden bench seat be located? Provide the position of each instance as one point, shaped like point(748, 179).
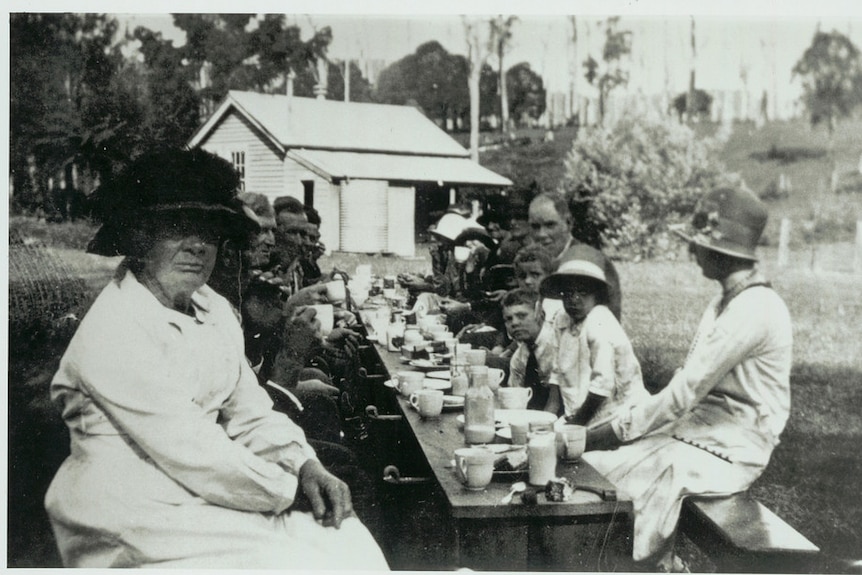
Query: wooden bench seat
point(742, 535)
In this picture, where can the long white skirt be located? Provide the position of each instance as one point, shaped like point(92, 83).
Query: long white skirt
point(109, 524)
point(657, 472)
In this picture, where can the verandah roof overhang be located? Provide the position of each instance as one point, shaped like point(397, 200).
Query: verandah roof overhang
point(336, 166)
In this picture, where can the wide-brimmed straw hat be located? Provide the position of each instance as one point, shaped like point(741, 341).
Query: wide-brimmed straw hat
point(579, 261)
point(166, 182)
point(729, 221)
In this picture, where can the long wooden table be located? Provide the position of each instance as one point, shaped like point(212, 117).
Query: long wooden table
point(585, 533)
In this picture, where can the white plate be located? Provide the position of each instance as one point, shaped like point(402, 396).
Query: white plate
point(438, 374)
point(424, 364)
point(499, 448)
point(507, 416)
point(436, 384)
point(453, 402)
point(391, 383)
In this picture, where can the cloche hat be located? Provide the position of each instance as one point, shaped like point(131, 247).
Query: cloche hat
point(579, 261)
point(727, 220)
point(166, 181)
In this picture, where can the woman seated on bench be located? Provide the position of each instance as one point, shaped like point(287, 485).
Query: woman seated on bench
point(178, 459)
point(712, 430)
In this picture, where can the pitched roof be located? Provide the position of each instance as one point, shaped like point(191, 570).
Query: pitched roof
point(335, 165)
point(293, 122)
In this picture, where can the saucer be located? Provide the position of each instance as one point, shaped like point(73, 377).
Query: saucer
point(452, 402)
point(436, 384)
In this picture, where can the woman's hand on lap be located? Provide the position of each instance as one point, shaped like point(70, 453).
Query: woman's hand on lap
point(329, 496)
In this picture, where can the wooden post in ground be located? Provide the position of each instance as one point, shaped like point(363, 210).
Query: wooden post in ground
point(784, 243)
point(857, 252)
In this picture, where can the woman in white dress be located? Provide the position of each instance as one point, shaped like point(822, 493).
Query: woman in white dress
point(712, 429)
point(177, 458)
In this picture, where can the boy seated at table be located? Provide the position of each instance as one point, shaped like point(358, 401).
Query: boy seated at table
point(595, 371)
point(535, 351)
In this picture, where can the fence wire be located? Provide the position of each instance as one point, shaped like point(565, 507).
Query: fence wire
point(43, 289)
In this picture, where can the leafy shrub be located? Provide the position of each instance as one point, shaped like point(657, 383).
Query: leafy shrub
point(627, 183)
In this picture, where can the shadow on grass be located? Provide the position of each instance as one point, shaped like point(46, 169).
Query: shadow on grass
point(812, 481)
point(788, 155)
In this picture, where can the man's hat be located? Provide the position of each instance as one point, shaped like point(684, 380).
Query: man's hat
point(579, 261)
point(169, 181)
point(728, 221)
point(452, 225)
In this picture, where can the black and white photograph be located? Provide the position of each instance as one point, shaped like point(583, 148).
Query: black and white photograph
point(481, 286)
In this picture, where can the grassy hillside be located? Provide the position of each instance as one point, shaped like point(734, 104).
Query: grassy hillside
point(802, 154)
point(759, 155)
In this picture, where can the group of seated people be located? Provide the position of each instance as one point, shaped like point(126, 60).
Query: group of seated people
point(709, 431)
point(178, 458)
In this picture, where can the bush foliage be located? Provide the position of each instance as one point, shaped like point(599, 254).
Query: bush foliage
point(628, 182)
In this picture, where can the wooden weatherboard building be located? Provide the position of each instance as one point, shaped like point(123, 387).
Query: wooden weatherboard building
point(373, 171)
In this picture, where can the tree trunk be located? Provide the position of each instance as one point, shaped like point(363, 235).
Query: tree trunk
point(574, 105)
point(477, 53)
point(689, 101)
point(504, 93)
point(473, 84)
point(602, 96)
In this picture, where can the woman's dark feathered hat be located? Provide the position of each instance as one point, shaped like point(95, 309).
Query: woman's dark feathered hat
point(729, 221)
point(166, 181)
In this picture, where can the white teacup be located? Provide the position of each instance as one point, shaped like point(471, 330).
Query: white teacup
point(326, 316)
point(428, 402)
point(413, 337)
point(514, 397)
point(575, 438)
point(475, 466)
point(335, 291)
point(409, 382)
point(495, 378)
point(435, 328)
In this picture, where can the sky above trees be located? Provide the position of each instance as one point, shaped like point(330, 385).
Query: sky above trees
point(763, 46)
